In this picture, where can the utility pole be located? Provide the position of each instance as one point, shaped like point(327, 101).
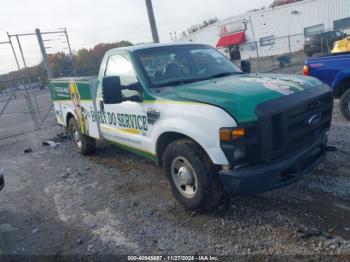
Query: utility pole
point(152, 21)
point(44, 54)
point(70, 53)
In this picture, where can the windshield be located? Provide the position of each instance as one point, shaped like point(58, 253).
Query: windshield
point(166, 66)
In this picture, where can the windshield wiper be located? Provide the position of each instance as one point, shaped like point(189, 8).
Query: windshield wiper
point(179, 82)
point(223, 74)
point(192, 80)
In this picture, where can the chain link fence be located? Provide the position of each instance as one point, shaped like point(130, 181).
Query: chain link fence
point(288, 54)
point(25, 106)
point(25, 100)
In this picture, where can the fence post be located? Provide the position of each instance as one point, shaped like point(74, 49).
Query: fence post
point(256, 44)
point(30, 81)
point(258, 56)
point(26, 94)
point(9, 83)
point(289, 45)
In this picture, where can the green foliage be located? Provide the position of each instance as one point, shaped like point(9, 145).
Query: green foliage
point(87, 62)
point(61, 64)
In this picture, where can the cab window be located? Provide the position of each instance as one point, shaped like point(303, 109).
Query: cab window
point(339, 34)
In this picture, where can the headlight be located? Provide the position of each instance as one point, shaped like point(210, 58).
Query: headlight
point(240, 153)
point(240, 144)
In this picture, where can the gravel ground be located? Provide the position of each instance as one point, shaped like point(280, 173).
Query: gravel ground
point(57, 202)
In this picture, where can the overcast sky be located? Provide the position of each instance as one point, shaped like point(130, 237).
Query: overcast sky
point(90, 22)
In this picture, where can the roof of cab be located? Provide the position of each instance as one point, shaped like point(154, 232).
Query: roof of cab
point(148, 46)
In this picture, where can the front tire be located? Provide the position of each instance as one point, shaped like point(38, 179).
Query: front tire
point(84, 144)
point(193, 178)
point(345, 104)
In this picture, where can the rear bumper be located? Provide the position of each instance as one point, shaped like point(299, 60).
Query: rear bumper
point(265, 177)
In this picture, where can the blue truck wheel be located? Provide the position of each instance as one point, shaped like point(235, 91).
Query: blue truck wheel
point(345, 104)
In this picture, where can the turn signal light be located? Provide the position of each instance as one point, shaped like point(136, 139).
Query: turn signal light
point(306, 70)
point(238, 133)
point(227, 135)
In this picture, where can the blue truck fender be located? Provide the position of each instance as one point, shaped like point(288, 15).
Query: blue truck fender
point(340, 78)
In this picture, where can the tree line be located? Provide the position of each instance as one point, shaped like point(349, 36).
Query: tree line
point(87, 62)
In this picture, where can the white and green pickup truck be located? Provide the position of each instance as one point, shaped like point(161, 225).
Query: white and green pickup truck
point(213, 128)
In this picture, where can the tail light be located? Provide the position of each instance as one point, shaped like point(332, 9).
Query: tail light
point(306, 70)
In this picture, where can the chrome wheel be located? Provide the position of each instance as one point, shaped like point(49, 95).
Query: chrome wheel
point(184, 177)
point(76, 136)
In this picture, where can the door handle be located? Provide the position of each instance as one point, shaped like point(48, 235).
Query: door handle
point(102, 106)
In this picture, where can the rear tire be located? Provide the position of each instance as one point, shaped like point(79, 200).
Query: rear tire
point(345, 104)
point(84, 144)
point(193, 178)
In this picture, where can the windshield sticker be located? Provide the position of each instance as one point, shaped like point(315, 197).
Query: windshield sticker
point(296, 81)
point(279, 86)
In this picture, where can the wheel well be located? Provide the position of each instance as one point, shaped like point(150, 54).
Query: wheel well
point(342, 87)
point(166, 139)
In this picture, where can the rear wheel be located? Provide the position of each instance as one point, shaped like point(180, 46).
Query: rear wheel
point(83, 143)
point(193, 178)
point(345, 104)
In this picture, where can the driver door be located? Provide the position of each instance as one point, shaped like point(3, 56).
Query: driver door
point(125, 123)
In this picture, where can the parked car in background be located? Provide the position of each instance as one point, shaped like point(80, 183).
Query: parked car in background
point(322, 42)
point(342, 46)
point(333, 70)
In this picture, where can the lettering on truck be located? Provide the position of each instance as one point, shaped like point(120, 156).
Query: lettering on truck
point(121, 120)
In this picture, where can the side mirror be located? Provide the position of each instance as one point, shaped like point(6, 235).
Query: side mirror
point(246, 66)
point(112, 90)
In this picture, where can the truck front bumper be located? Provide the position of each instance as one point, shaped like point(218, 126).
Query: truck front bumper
point(265, 177)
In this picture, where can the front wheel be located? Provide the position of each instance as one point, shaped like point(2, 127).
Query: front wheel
point(193, 178)
point(345, 104)
point(83, 143)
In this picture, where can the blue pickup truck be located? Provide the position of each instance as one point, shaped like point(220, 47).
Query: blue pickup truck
point(333, 70)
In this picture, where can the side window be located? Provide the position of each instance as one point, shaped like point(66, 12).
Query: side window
point(339, 34)
point(119, 65)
